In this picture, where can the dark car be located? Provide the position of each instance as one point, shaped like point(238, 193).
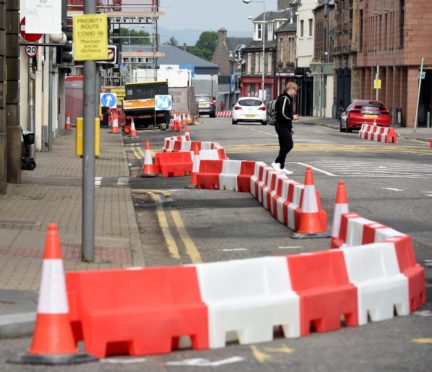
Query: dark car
point(206, 105)
point(362, 111)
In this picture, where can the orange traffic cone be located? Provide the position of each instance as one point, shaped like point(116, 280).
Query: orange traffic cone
point(195, 168)
point(148, 167)
point(189, 118)
point(187, 135)
point(341, 206)
point(133, 132)
point(430, 142)
point(53, 342)
point(115, 126)
point(309, 214)
point(68, 125)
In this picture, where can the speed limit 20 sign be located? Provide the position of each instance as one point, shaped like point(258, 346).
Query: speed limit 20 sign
point(31, 50)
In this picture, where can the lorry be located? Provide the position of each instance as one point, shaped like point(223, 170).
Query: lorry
point(139, 103)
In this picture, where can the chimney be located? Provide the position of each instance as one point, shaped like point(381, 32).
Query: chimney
point(222, 35)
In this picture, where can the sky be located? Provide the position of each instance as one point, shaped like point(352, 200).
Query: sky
point(209, 15)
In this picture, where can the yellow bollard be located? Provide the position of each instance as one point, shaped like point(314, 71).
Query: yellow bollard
point(80, 137)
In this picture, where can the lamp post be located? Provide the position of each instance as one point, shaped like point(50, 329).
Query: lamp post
point(263, 95)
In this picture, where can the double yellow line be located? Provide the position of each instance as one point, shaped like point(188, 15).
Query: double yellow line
point(173, 249)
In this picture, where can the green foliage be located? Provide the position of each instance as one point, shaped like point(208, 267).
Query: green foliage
point(205, 46)
point(172, 41)
point(135, 37)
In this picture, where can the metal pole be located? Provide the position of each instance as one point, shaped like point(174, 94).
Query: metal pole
point(263, 54)
point(88, 199)
point(418, 94)
point(50, 97)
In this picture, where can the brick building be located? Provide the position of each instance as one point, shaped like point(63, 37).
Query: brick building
point(395, 35)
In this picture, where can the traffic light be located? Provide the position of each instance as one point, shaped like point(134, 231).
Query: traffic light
point(64, 52)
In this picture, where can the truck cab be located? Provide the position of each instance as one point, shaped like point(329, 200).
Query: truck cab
point(139, 103)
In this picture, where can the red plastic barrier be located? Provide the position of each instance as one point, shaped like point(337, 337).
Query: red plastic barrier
point(208, 175)
point(137, 312)
point(321, 281)
point(243, 179)
point(174, 164)
point(411, 269)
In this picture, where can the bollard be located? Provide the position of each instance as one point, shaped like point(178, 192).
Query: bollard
point(80, 139)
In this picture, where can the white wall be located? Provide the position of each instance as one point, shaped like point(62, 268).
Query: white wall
point(305, 44)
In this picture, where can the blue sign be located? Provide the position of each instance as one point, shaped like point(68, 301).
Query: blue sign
point(163, 102)
point(108, 100)
point(191, 68)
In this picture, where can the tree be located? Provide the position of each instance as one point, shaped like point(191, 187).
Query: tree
point(205, 46)
point(172, 41)
point(135, 37)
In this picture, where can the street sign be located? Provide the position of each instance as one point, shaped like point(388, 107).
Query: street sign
point(31, 50)
point(31, 38)
point(108, 100)
point(163, 102)
point(377, 84)
point(422, 75)
point(90, 35)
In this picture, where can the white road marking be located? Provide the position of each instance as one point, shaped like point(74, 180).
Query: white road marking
point(122, 181)
point(292, 247)
point(316, 169)
point(391, 189)
point(98, 181)
point(205, 362)
point(123, 361)
point(234, 249)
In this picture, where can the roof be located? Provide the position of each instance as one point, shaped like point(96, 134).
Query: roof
point(173, 56)
point(234, 42)
point(258, 44)
point(287, 27)
point(274, 15)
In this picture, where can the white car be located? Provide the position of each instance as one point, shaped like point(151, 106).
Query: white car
point(249, 109)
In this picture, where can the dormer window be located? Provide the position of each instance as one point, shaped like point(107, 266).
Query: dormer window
point(259, 31)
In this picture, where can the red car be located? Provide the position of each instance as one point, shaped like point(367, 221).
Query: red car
point(362, 111)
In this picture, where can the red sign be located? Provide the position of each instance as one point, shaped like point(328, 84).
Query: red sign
point(31, 38)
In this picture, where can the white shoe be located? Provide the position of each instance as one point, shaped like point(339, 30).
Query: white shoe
point(276, 166)
point(285, 171)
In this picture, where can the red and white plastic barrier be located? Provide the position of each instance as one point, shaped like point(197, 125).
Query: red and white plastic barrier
point(223, 114)
point(377, 134)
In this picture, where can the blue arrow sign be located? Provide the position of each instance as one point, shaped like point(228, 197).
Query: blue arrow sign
point(108, 100)
point(163, 102)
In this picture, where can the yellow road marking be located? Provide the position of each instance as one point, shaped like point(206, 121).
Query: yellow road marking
point(262, 356)
point(328, 147)
point(259, 355)
point(166, 232)
point(422, 340)
point(190, 246)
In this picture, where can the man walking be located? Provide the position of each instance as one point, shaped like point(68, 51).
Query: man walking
point(284, 117)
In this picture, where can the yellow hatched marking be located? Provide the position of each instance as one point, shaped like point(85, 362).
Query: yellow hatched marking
point(259, 355)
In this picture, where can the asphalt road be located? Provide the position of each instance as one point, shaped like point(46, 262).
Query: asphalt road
point(387, 183)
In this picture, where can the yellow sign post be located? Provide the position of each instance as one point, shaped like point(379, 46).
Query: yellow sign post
point(90, 34)
point(377, 84)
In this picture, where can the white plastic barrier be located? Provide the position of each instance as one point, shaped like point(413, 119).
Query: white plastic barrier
point(259, 168)
point(228, 177)
point(249, 297)
point(374, 270)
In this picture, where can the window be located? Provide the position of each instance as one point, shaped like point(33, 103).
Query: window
point(301, 28)
point(385, 32)
point(249, 63)
point(257, 62)
point(269, 63)
point(259, 31)
point(401, 23)
point(361, 30)
point(310, 27)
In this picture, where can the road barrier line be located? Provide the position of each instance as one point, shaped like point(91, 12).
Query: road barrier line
point(190, 246)
point(316, 169)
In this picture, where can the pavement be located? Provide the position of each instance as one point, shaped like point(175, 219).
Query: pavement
point(52, 193)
